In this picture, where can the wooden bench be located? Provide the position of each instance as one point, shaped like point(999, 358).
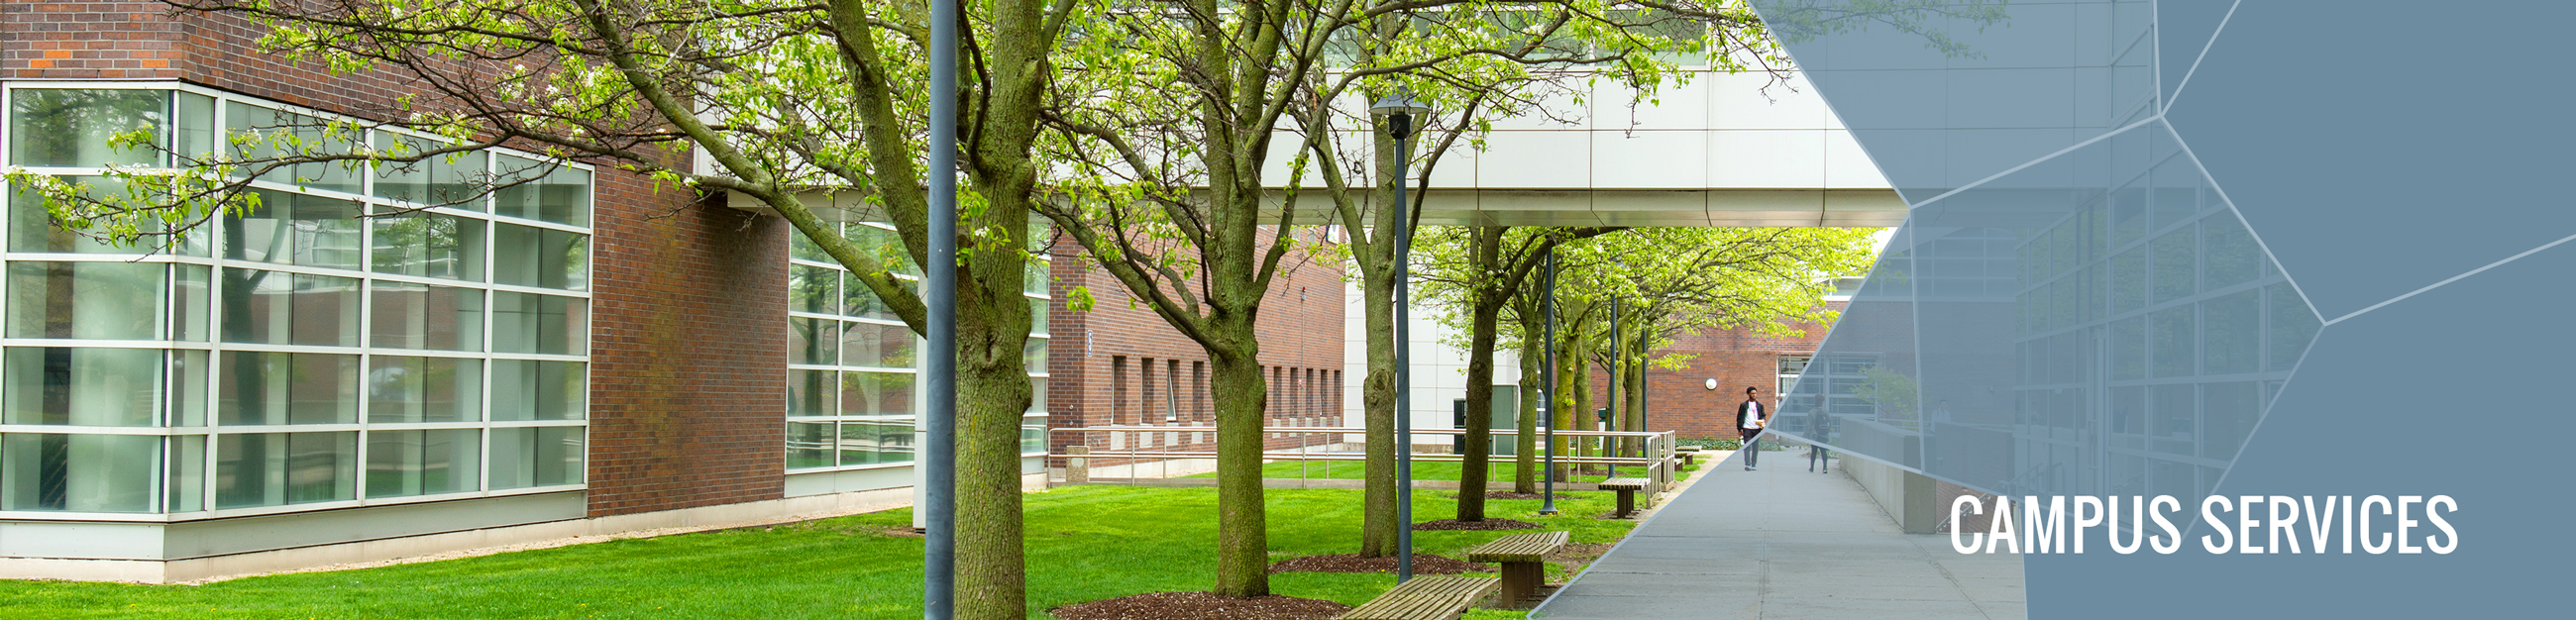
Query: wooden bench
point(1627, 488)
point(1524, 561)
point(1426, 598)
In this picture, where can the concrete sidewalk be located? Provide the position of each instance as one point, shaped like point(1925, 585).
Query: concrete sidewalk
point(1785, 543)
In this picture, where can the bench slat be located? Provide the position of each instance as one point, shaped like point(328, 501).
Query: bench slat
point(1531, 547)
point(1614, 484)
point(1426, 598)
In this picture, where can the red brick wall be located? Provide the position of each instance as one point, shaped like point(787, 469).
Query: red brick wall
point(113, 40)
point(688, 357)
point(1300, 332)
point(145, 41)
point(688, 353)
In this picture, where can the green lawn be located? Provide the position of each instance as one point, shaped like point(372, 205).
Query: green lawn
point(1085, 543)
point(1501, 471)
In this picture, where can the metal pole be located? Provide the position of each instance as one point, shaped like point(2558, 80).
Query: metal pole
point(1618, 387)
point(939, 280)
point(1547, 304)
point(1643, 380)
point(1403, 354)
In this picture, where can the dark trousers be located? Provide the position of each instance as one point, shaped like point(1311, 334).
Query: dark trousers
point(1752, 447)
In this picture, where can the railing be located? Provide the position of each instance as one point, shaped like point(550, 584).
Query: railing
point(1132, 445)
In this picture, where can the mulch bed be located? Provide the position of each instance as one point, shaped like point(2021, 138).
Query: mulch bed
point(1201, 606)
point(1488, 524)
point(1423, 564)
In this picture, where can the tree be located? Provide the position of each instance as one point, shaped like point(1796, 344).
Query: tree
point(1168, 151)
point(1495, 267)
point(1516, 89)
point(1683, 280)
point(1671, 281)
point(1169, 145)
point(784, 101)
point(1893, 394)
point(1524, 332)
point(1556, 54)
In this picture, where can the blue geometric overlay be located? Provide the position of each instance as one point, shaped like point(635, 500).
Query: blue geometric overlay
point(2134, 222)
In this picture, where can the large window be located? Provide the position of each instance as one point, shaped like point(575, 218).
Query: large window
point(851, 396)
point(358, 337)
point(1834, 383)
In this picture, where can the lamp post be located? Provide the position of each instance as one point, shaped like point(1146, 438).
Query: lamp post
point(939, 285)
point(1400, 108)
point(1547, 305)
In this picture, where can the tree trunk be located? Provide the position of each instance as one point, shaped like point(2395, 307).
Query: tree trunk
point(1484, 315)
point(993, 393)
point(1561, 412)
point(1632, 417)
point(1582, 376)
point(1377, 403)
point(1243, 547)
point(1377, 261)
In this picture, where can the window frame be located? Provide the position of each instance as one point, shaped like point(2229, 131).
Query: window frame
point(210, 427)
point(1040, 336)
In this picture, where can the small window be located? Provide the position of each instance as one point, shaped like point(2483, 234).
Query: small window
point(1790, 367)
point(541, 191)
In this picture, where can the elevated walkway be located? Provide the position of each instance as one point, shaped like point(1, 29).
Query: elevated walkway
point(1784, 543)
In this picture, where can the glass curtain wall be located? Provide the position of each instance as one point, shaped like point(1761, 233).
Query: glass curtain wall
point(359, 336)
point(852, 397)
point(2153, 333)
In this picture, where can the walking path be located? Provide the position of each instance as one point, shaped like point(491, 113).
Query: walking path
point(1783, 543)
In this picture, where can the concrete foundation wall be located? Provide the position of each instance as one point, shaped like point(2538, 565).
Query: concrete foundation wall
point(1910, 498)
point(169, 571)
point(168, 553)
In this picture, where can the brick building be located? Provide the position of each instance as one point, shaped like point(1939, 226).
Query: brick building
point(586, 354)
point(1682, 401)
point(1121, 365)
point(1677, 400)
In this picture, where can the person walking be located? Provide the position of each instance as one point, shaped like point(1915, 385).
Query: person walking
point(1820, 427)
point(1750, 417)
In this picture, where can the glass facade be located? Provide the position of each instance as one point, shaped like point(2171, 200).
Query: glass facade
point(851, 395)
point(359, 336)
point(2101, 322)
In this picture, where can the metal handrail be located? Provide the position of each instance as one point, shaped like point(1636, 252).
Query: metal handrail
point(1320, 430)
point(1660, 444)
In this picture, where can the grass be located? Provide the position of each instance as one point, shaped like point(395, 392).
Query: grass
point(1084, 543)
point(1501, 471)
